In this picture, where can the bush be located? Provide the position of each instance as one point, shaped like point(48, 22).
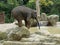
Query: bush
point(31, 5)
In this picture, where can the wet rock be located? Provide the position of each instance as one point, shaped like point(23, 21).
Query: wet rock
point(43, 23)
point(20, 43)
point(48, 43)
point(3, 35)
point(52, 19)
point(34, 38)
point(18, 33)
point(33, 23)
point(43, 17)
point(43, 32)
point(1, 42)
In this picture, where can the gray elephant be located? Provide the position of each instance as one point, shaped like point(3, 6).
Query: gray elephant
point(24, 13)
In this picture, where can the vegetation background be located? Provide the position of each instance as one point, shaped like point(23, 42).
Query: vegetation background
point(47, 6)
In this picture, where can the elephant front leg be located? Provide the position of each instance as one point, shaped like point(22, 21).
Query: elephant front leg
point(27, 20)
point(27, 24)
point(20, 23)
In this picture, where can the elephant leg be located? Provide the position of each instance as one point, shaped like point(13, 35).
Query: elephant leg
point(27, 24)
point(20, 23)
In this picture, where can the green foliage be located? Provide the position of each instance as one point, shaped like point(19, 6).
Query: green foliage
point(25, 2)
point(7, 7)
point(46, 9)
point(43, 2)
point(10, 1)
point(46, 6)
point(31, 5)
point(56, 8)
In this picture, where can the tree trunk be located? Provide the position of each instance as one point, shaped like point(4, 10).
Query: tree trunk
point(38, 7)
point(38, 10)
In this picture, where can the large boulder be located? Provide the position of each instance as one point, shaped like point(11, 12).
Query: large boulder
point(33, 22)
point(18, 33)
point(55, 17)
point(52, 19)
point(43, 17)
point(3, 35)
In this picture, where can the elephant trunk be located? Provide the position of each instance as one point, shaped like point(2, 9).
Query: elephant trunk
point(38, 23)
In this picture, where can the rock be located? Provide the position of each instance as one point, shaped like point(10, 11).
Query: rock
point(3, 35)
point(27, 40)
point(52, 19)
point(43, 23)
point(43, 32)
point(48, 44)
point(57, 35)
point(18, 33)
point(58, 24)
point(49, 40)
point(20, 43)
point(33, 23)
point(16, 22)
point(1, 42)
point(43, 17)
point(37, 36)
point(34, 38)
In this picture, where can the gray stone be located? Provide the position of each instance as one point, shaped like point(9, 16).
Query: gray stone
point(49, 43)
point(32, 38)
point(53, 19)
point(43, 23)
point(3, 35)
point(18, 33)
point(43, 17)
point(20, 43)
point(33, 23)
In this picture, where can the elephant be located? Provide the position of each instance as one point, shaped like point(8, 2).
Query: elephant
point(24, 13)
